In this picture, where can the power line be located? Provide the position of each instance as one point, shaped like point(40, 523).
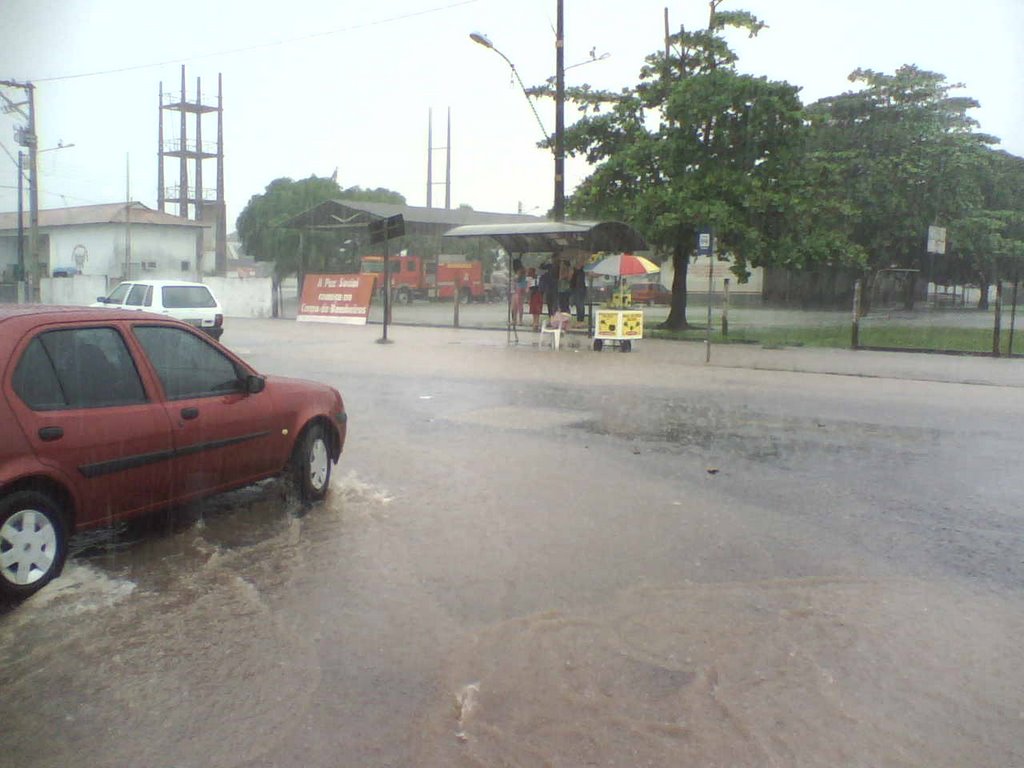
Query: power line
point(62, 195)
point(8, 153)
point(260, 46)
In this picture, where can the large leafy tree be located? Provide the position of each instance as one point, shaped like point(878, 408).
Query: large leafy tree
point(897, 155)
point(986, 242)
point(695, 144)
point(261, 227)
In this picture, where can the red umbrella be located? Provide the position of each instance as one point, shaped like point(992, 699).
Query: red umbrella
point(623, 265)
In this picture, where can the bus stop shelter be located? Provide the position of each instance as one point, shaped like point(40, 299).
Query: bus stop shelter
point(554, 237)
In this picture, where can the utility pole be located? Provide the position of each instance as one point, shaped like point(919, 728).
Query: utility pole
point(221, 246)
point(127, 271)
point(33, 195)
point(21, 217)
point(27, 138)
point(447, 163)
point(430, 158)
point(559, 206)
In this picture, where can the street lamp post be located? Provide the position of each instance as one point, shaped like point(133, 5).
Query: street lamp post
point(483, 40)
point(558, 209)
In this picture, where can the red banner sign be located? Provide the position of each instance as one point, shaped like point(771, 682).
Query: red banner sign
point(336, 299)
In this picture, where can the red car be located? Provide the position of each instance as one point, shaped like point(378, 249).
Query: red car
point(650, 292)
point(106, 415)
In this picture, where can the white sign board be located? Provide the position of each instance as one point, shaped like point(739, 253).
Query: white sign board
point(936, 240)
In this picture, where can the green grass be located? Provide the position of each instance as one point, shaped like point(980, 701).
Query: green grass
point(838, 336)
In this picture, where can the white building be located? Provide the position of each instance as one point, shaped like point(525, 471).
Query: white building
point(703, 267)
point(117, 241)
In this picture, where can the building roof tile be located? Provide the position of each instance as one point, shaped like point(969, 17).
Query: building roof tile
point(105, 213)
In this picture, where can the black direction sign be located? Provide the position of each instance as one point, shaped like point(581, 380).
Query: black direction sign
point(386, 229)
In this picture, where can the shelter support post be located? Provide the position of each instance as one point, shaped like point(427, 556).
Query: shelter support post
point(996, 330)
point(456, 298)
point(1013, 314)
point(725, 309)
point(855, 329)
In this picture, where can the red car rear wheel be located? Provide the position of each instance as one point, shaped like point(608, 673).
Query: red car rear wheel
point(33, 542)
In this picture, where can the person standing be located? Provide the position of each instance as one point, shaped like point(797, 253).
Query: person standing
point(536, 298)
point(578, 290)
point(518, 293)
point(564, 280)
point(549, 288)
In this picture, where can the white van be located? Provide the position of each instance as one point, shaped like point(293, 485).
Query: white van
point(192, 302)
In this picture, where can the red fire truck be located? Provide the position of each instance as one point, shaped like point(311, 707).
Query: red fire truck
point(413, 277)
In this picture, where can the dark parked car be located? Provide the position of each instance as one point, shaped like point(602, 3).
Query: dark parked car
point(105, 415)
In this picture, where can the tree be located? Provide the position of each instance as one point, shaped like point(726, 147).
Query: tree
point(896, 156)
point(261, 227)
point(693, 145)
point(986, 243)
point(378, 195)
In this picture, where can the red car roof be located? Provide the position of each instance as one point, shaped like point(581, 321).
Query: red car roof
point(51, 312)
point(18, 319)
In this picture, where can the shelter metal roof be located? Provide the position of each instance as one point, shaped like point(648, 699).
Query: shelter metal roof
point(552, 236)
point(342, 214)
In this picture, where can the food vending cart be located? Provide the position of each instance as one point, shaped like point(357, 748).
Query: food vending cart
point(618, 322)
point(617, 326)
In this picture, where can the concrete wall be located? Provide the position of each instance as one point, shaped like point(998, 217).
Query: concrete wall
point(79, 290)
point(240, 296)
point(12, 293)
point(103, 248)
point(8, 257)
point(697, 278)
point(243, 296)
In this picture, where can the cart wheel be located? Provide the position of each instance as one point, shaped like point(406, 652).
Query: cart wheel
point(626, 345)
point(598, 345)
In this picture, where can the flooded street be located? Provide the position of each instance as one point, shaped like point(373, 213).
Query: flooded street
point(567, 559)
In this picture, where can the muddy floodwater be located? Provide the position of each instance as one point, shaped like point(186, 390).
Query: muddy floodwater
point(531, 558)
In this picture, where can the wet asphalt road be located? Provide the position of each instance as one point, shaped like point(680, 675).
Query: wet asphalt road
point(532, 558)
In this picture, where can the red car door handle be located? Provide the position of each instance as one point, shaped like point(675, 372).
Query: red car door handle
point(48, 434)
point(189, 413)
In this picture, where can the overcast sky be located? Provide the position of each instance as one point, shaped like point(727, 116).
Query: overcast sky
point(314, 85)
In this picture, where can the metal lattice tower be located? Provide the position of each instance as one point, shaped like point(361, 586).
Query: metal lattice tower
point(194, 201)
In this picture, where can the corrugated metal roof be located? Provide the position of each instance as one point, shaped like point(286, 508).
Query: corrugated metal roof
point(552, 236)
point(106, 213)
point(334, 214)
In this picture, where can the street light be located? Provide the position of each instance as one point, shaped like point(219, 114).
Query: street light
point(483, 40)
point(558, 209)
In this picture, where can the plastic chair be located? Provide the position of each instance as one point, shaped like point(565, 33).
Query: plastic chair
point(554, 330)
point(555, 325)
